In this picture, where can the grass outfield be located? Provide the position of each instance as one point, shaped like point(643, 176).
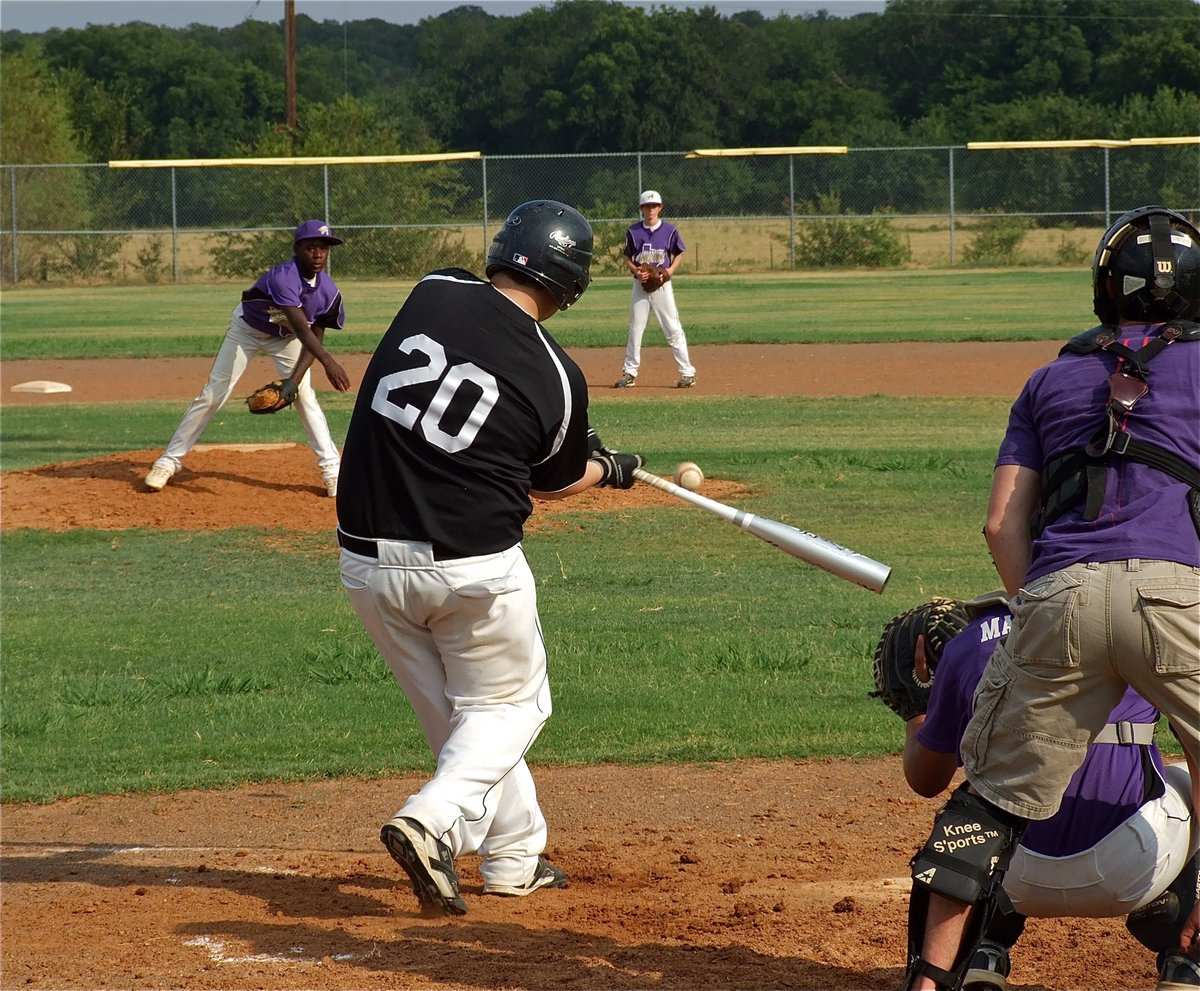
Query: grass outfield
point(946, 305)
point(147, 660)
point(155, 660)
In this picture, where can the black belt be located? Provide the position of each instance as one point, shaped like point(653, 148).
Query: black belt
point(370, 548)
point(367, 548)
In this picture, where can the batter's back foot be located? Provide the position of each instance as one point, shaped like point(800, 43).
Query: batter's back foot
point(546, 875)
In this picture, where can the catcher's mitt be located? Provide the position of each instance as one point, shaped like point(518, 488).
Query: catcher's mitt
point(652, 276)
point(896, 678)
point(272, 397)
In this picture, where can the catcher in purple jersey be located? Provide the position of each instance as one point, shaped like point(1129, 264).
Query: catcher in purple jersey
point(1122, 841)
point(467, 408)
point(653, 249)
point(285, 315)
point(1094, 524)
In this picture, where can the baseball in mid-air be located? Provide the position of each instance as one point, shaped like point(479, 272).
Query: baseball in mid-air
point(689, 476)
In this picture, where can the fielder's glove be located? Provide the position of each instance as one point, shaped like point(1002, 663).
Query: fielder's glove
point(896, 680)
point(617, 468)
point(272, 397)
point(279, 318)
point(652, 276)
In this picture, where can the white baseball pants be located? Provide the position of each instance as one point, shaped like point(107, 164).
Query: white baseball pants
point(462, 638)
point(1127, 869)
point(662, 302)
point(242, 342)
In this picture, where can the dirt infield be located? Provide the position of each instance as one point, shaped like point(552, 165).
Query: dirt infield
point(735, 876)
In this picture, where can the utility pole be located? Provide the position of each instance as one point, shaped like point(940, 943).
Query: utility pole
point(289, 33)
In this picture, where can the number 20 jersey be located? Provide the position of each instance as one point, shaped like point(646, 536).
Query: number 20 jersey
point(466, 405)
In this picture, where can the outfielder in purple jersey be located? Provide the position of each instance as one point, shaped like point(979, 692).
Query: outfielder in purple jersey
point(468, 407)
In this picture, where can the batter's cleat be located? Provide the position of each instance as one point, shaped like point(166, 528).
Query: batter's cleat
point(330, 479)
point(427, 862)
point(989, 968)
point(160, 473)
point(685, 382)
point(626, 381)
point(1177, 972)
point(545, 876)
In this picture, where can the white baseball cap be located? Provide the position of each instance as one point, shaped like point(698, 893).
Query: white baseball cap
point(650, 196)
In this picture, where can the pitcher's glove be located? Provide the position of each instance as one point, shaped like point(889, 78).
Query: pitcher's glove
point(272, 397)
point(652, 277)
point(897, 681)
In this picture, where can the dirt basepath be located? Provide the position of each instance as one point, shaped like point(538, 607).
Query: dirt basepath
point(752, 875)
point(912, 369)
point(749, 875)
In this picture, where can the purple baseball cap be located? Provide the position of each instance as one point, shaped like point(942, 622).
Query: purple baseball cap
point(315, 230)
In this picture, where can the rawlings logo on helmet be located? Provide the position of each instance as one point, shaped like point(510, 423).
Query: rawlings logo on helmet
point(548, 242)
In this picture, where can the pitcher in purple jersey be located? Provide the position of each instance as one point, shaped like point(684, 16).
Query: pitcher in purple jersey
point(1094, 525)
point(1122, 842)
point(653, 241)
point(284, 315)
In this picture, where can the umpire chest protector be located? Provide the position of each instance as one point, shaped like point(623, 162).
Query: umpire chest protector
point(1081, 475)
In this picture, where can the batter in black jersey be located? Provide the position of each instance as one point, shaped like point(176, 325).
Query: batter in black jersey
point(467, 408)
point(472, 402)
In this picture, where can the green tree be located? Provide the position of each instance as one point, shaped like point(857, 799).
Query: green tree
point(390, 213)
point(1151, 60)
point(181, 98)
point(35, 108)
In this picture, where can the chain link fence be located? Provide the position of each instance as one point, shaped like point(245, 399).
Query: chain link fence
point(920, 207)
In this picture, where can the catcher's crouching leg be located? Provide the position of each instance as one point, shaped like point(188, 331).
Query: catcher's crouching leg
point(964, 859)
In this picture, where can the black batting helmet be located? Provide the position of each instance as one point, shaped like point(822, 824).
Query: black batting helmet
point(1147, 268)
point(548, 242)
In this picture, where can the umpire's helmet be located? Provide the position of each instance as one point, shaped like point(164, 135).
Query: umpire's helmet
point(1147, 268)
point(548, 242)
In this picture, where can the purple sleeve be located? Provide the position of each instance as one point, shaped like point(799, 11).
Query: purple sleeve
point(1021, 445)
point(282, 284)
point(677, 246)
point(953, 689)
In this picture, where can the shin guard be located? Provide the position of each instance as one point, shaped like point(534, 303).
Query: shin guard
point(964, 860)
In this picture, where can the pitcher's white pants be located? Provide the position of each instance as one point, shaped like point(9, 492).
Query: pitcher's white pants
point(242, 342)
point(462, 638)
point(1125, 870)
point(662, 302)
